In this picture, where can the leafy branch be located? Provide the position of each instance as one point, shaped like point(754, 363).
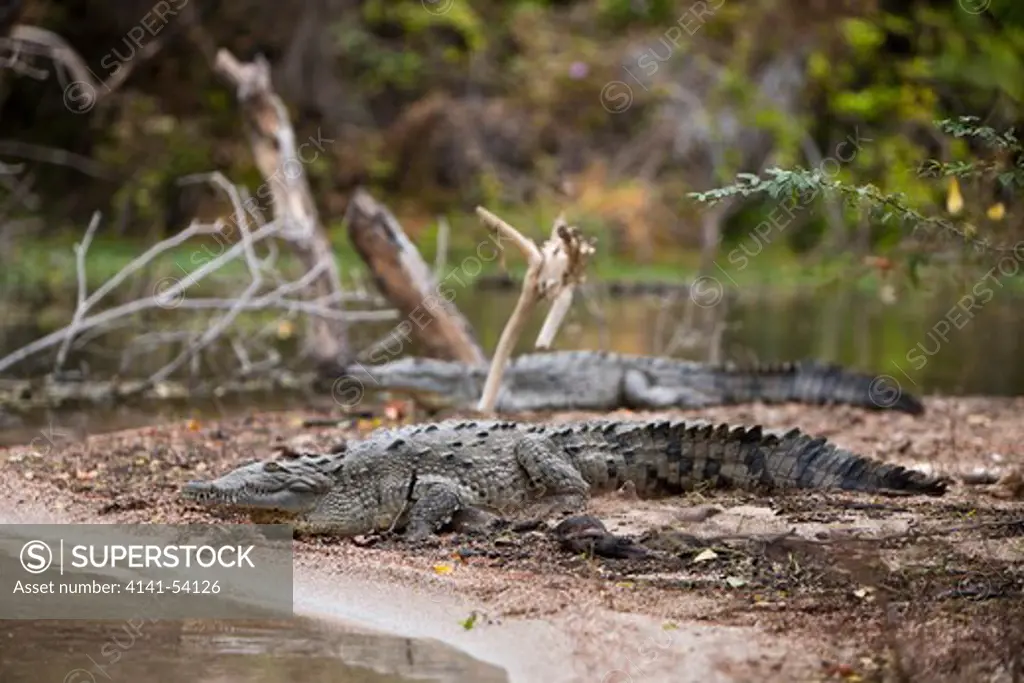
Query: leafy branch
point(804, 185)
point(964, 127)
point(1007, 142)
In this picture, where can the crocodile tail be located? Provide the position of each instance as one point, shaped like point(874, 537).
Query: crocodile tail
point(666, 456)
point(802, 461)
point(817, 383)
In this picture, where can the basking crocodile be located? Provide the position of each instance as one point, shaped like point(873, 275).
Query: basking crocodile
point(417, 477)
point(595, 380)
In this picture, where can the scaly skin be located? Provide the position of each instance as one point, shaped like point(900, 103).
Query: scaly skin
point(594, 380)
point(417, 477)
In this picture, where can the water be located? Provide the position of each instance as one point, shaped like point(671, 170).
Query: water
point(921, 340)
point(917, 339)
point(223, 652)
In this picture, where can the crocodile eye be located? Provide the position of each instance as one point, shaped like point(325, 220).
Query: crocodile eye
point(272, 467)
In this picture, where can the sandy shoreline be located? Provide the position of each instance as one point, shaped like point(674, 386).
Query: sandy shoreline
point(574, 642)
point(544, 615)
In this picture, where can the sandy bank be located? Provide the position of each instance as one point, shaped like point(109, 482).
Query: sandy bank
point(731, 596)
point(576, 639)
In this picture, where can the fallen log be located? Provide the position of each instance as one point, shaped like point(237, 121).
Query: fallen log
point(404, 278)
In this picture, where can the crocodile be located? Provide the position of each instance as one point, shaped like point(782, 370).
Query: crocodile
point(597, 380)
point(417, 477)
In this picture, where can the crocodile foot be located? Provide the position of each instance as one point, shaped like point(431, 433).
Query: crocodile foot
point(477, 521)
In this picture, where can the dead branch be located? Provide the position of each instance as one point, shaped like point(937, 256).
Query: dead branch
point(275, 151)
point(86, 89)
point(16, 62)
point(170, 294)
point(80, 309)
point(553, 271)
point(405, 279)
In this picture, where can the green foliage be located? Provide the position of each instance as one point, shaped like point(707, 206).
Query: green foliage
point(415, 20)
point(863, 36)
point(803, 186)
point(1009, 175)
point(623, 13)
point(381, 66)
point(966, 126)
point(158, 149)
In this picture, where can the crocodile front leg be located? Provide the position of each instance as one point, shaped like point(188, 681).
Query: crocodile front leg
point(553, 473)
point(640, 394)
point(435, 502)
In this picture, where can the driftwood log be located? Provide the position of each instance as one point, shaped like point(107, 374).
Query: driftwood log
point(405, 279)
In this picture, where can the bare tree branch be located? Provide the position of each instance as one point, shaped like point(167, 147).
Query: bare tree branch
point(52, 45)
point(173, 295)
point(81, 249)
point(553, 271)
point(275, 151)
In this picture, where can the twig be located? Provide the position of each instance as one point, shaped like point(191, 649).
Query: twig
point(208, 336)
point(65, 57)
point(166, 298)
point(56, 157)
point(559, 308)
point(441, 251)
point(15, 63)
point(81, 309)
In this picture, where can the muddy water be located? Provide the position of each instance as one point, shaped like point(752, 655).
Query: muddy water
point(223, 652)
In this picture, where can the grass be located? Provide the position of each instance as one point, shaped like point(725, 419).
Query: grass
point(48, 265)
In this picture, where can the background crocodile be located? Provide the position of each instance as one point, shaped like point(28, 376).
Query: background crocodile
point(595, 380)
point(418, 477)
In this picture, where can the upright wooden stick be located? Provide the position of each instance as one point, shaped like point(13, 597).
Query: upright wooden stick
point(553, 271)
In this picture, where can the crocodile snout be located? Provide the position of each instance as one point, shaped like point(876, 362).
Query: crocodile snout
point(201, 491)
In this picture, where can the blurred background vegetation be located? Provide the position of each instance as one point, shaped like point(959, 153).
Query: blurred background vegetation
point(444, 104)
point(614, 111)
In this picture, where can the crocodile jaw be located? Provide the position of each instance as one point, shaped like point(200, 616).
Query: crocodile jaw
point(258, 487)
point(208, 493)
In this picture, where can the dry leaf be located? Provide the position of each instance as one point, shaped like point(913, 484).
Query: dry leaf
point(706, 555)
point(395, 410)
point(954, 200)
point(285, 329)
point(369, 425)
point(996, 212)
